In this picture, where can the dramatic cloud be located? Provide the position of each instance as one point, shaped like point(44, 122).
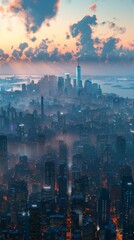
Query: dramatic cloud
point(34, 13)
point(23, 46)
point(88, 47)
point(3, 56)
point(109, 50)
point(41, 54)
point(82, 31)
point(16, 54)
point(93, 7)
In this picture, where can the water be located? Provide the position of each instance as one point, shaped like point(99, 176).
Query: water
point(122, 86)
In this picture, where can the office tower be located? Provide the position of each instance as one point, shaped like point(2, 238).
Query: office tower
point(61, 120)
point(17, 196)
point(127, 201)
point(23, 225)
point(110, 231)
point(67, 80)
point(63, 152)
point(88, 228)
point(42, 107)
point(88, 85)
point(78, 76)
point(78, 203)
point(62, 169)
point(74, 83)
point(44, 85)
point(50, 174)
point(60, 85)
point(24, 88)
point(21, 131)
point(103, 208)
point(121, 149)
point(125, 171)
point(46, 193)
point(3, 154)
point(23, 159)
point(68, 85)
point(35, 222)
point(62, 182)
point(52, 85)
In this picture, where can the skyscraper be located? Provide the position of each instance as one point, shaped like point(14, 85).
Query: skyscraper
point(42, 107)
point(35, 222)
point(103, 208)
point(121, 149)
point(50, 174)
point(78, 75)
point(60, 85)
point(3, 154)
point(127, 207)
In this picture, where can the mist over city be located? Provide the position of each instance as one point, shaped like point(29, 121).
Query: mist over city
point(66, 120)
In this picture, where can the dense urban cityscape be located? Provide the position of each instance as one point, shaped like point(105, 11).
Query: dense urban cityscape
point(77, 181)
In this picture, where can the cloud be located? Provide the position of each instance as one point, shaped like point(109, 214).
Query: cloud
point(88, 47)
point(41, 53)
point(23, 46)
point(117, 29)
point(16, 54)
point(111, 25)
point(109, 49)
point(33, 39)
point(82, 31)
point(67, 36)
point(3, 56)
point(34, 12)
point(93, 7)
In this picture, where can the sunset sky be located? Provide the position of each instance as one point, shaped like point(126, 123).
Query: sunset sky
point(56, 33)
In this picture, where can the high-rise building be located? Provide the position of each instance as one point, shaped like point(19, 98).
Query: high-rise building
point(62, 181)
point(21, 130)
point(63, 152)
point(24, 88)
point(78, 75)
point(103, 208)
point(3, 154)
point(46, 193)
point(121, 149)
point(35, 222)
point(127, 201)
point(17, 196)
point(50, 174)
point(60, 85)
point(62, 185)
point(42, 107)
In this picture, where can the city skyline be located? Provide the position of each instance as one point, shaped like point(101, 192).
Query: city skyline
point(98, 32)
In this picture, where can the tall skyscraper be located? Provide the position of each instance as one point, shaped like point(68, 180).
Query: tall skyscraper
point(127, 207)
point(121, 149)
point(60, 85)
point(103, 208)
point(62, 184)
point(42, 107)
point(78, 75)
point(63, 152)
point(35, 222)
point(50, 174)
point(3, 154)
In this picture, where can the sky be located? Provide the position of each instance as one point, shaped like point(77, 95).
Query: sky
point(40, 36)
